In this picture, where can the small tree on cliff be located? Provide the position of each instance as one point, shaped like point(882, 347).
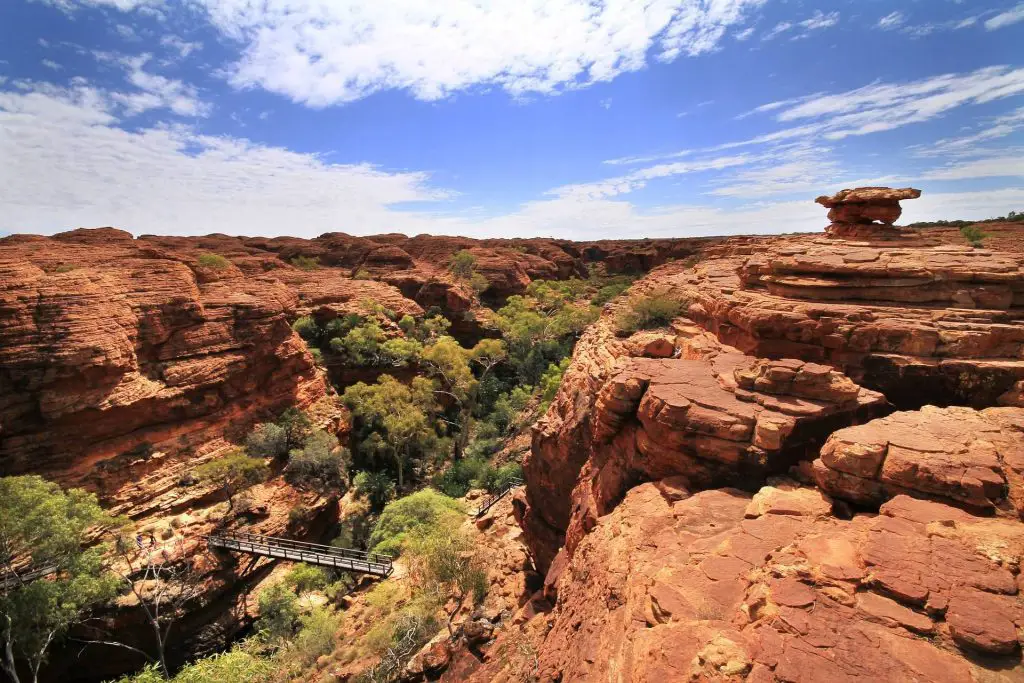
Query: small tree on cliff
point(446, 566)
point(42, 526)
point(162, 580)
point(232, 473)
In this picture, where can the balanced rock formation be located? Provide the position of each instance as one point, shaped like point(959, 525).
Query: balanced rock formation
point(866, 212)
point(958, 455)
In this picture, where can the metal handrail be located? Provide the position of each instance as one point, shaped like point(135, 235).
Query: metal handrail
point(315, 553)
point(15, 578)
point(490, 502)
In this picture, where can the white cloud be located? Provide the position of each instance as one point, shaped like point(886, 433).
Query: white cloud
point(820, 21)
point(183, 47)
point(885, 106)
point(638, 179)
point(1007, 164)
point(994, 129)
point(779, 29)
point(321, 53)
point(606, 103)
point(1007, 18)
point(121, 5)
point(158, 92)
point(891, 21)
point(68, 164)
point(745, 33)
point(50, 64)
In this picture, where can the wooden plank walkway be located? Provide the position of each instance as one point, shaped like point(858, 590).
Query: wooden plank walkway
point(359, 561)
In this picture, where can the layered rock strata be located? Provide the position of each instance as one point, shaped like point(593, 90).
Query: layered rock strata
point(723, 586)
point(867, 212)
point(958, 455)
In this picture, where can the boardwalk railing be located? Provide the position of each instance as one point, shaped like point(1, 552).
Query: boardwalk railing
point(494, 498)
point(359, 561)
point(12, 579)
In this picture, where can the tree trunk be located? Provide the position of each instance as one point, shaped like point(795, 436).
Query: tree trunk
point(160, 651)
point(9, 666)
point(462, 438)
point(401, 481)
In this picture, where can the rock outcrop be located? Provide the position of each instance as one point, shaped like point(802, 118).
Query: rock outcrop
point(722, 586)
point(958, 455)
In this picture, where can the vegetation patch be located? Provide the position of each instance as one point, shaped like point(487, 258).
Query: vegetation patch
point(647, 312)
point(215, 261)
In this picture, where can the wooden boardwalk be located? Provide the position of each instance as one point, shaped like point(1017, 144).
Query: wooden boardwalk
point(345, 559)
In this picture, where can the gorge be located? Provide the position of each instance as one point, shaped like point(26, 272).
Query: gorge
point(791, 458)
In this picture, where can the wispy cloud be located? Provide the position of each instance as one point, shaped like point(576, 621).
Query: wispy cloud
point(1007, 18)
point(183, 47)
point(50, 64)
point(891, 21)
point(158, 92)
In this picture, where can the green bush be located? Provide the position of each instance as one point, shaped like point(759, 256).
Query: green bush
point(306, 578)
point(316, 636)
point(463, 475)
point(320, 464)
point(296, 425)
point(419, 511)
point(307, 328)
point(463, 264)
point(550, 381)
point(647, 312)
point(974, 235)
point(609, 292)
point(267, 441)
point(215, 261)
point(506, 473)
point(362, 274)
point(239, 665)
point(279, 613)
point(376, 487)
point(65, 268)
point(306, 262)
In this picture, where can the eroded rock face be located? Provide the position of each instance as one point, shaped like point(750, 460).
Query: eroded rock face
point(717, 586)
point(968, 457)
point(711, 417)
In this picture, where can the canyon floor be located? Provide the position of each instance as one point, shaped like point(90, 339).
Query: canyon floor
point(813, 472)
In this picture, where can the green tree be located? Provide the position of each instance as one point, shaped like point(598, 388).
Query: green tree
point(296, 426)
point(445, 564)
point(321, 463)
point(463, 264)
point(279, 613)
point(306, 262)
point(232, 473)
point(42, 526)
point(423, 511)
point(375, 487)
point(394, 419)
point(267, 441)
point(306, 579)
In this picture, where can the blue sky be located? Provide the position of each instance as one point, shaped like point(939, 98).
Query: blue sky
point(555, 118)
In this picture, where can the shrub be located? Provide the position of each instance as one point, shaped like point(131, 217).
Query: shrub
point(647, 312)
point(279, 613)
point(296, 425)
point(973, 234)
point(478, 283)
point(306, 262)
point(508, 407)
point(362, 274)
point(506, 473)
point(419, 511)
point(320, 464)
point(316, 636)
point(376, 487)
point(609, 292)
point(463, 264)
point(550, 381)
point(461, 476)
point(307, 328)
point(267, 441)
point(233, 472)
point(65, 268)
point(215, 261)
point(306, 578)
